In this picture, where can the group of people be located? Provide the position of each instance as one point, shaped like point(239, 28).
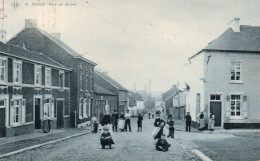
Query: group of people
point(114, 123)
point(204, 123)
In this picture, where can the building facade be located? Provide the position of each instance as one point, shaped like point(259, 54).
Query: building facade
point(226, 80)
point(31, 84)
point(82, 75)
point(136, 104)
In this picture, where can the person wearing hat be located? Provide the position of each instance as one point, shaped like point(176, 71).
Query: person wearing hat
point(159, 124)
point(162, 144)
point(106, 138)
point(127, 121)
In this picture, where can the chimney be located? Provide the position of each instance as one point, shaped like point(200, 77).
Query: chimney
point(3, 36)
point(235, 25)
point(30, 23)
point(56, 35)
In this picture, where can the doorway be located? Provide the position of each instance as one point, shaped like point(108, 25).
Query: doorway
point(37, 107)
point(215, 108)
point(60, 114)
point(2, 117)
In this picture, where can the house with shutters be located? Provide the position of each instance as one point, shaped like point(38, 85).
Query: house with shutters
point(224, 79)
point(82, 76)
point(136, 104)
point(31, 84)
point(105, 81)
point(168, 99)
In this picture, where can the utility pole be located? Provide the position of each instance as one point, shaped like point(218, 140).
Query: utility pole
point(179, 110)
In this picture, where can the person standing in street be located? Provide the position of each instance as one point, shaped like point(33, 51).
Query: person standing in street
point(139, 122)
point(94, 124)
point(170, 122)
point(115, 120)
point(46, 123)
point(188, 121)
point(211, 122)
point(159, 125)
point(121, 122)
point(202, 124)
point(127, 121)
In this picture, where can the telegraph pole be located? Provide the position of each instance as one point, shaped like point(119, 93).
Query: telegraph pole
point(179, 110)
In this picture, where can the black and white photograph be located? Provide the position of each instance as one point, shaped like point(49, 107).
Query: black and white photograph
point(129, 80)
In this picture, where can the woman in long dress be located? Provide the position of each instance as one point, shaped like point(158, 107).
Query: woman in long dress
point(94, 124)
point(46, 124)
point(201, 122)
point(121, 122)
point(158, 126)
point(211, 122)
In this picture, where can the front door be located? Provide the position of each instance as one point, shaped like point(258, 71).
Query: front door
point(60, 112)
point(2, 117)
point(37, 107)
point(215, 109)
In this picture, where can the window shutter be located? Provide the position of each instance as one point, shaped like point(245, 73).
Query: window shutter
point(84, 108)
point(89, 107)
point(245, 107)
point(23, 111)
point(228, 106)
point(44, 106)
point(11, 112)
point(52, 108)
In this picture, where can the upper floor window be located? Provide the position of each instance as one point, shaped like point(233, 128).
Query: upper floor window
point(2, 70)
point(81, 66)
point(87, 77)
point(235, 71)
point(37, 74)
point(235, 105)
point(81, 81)
point(48, 76)
point(17, 72)
point(91, 83)
point(61, 79)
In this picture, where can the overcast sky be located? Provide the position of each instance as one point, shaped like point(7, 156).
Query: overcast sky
point(134, 40)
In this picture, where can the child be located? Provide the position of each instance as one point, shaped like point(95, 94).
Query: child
point(162, 144)
point(170, 122)
point(139, 122)
point(106, 138)
point(94, 124)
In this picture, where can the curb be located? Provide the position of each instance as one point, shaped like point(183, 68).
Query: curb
point(202, 156)
point(40, 145)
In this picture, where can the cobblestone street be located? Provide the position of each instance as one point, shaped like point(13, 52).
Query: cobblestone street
point(128, 146)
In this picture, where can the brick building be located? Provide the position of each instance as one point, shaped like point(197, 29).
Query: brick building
point(82, 76)
point(225, 78)
point(31, 84)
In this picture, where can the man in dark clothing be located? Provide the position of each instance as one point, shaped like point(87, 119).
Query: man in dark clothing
point(162, 144)
point(188, 121)
point(115, 120)
point(139, 122)
point(127, 121)
point(106, 119)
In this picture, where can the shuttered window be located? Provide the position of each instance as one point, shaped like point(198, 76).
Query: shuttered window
point(81, 101)
point(17, 72)
point(37, 74)
point(3, 70)
point(17, 112)
point(49, 108)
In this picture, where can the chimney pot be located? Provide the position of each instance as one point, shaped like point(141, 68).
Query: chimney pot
point(30, 23)
point(236, 26)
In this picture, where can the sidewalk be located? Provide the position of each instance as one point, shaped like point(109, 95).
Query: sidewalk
point(10, 144)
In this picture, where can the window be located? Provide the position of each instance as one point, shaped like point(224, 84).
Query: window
point(215, 97)
point(81, 81)
point(235, 105)
point(235, 71)
point(61, 79)
point(48, 76)
point(37, 74)
point(17, 72)
point(49, 108)
point(17, 111)
point(81, 66)
point(81, 108)
point(2, 70)
point(2, 103)
point(87, 81)
point(198, 102)
point(91, 83)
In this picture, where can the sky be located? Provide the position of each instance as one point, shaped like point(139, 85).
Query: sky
point(134, 40)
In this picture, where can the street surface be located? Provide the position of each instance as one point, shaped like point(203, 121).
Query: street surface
point(132, 146)
point(221, 145)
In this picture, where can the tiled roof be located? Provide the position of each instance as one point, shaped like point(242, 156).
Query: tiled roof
point(111, 80)
point(247, 40)
point(100, 90)
point(61, 44)
point(136, 96)
point(170, 93)
point(18, 52)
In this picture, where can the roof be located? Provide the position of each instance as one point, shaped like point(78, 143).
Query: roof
point(111, 80)
point(100, 90)
point(136, 96)
point(170, 93)
point(21, 53)
point(247, 40)
point(59, 43)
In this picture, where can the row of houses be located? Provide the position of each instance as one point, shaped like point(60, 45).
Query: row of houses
point(224, 79)
point(39, 74)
